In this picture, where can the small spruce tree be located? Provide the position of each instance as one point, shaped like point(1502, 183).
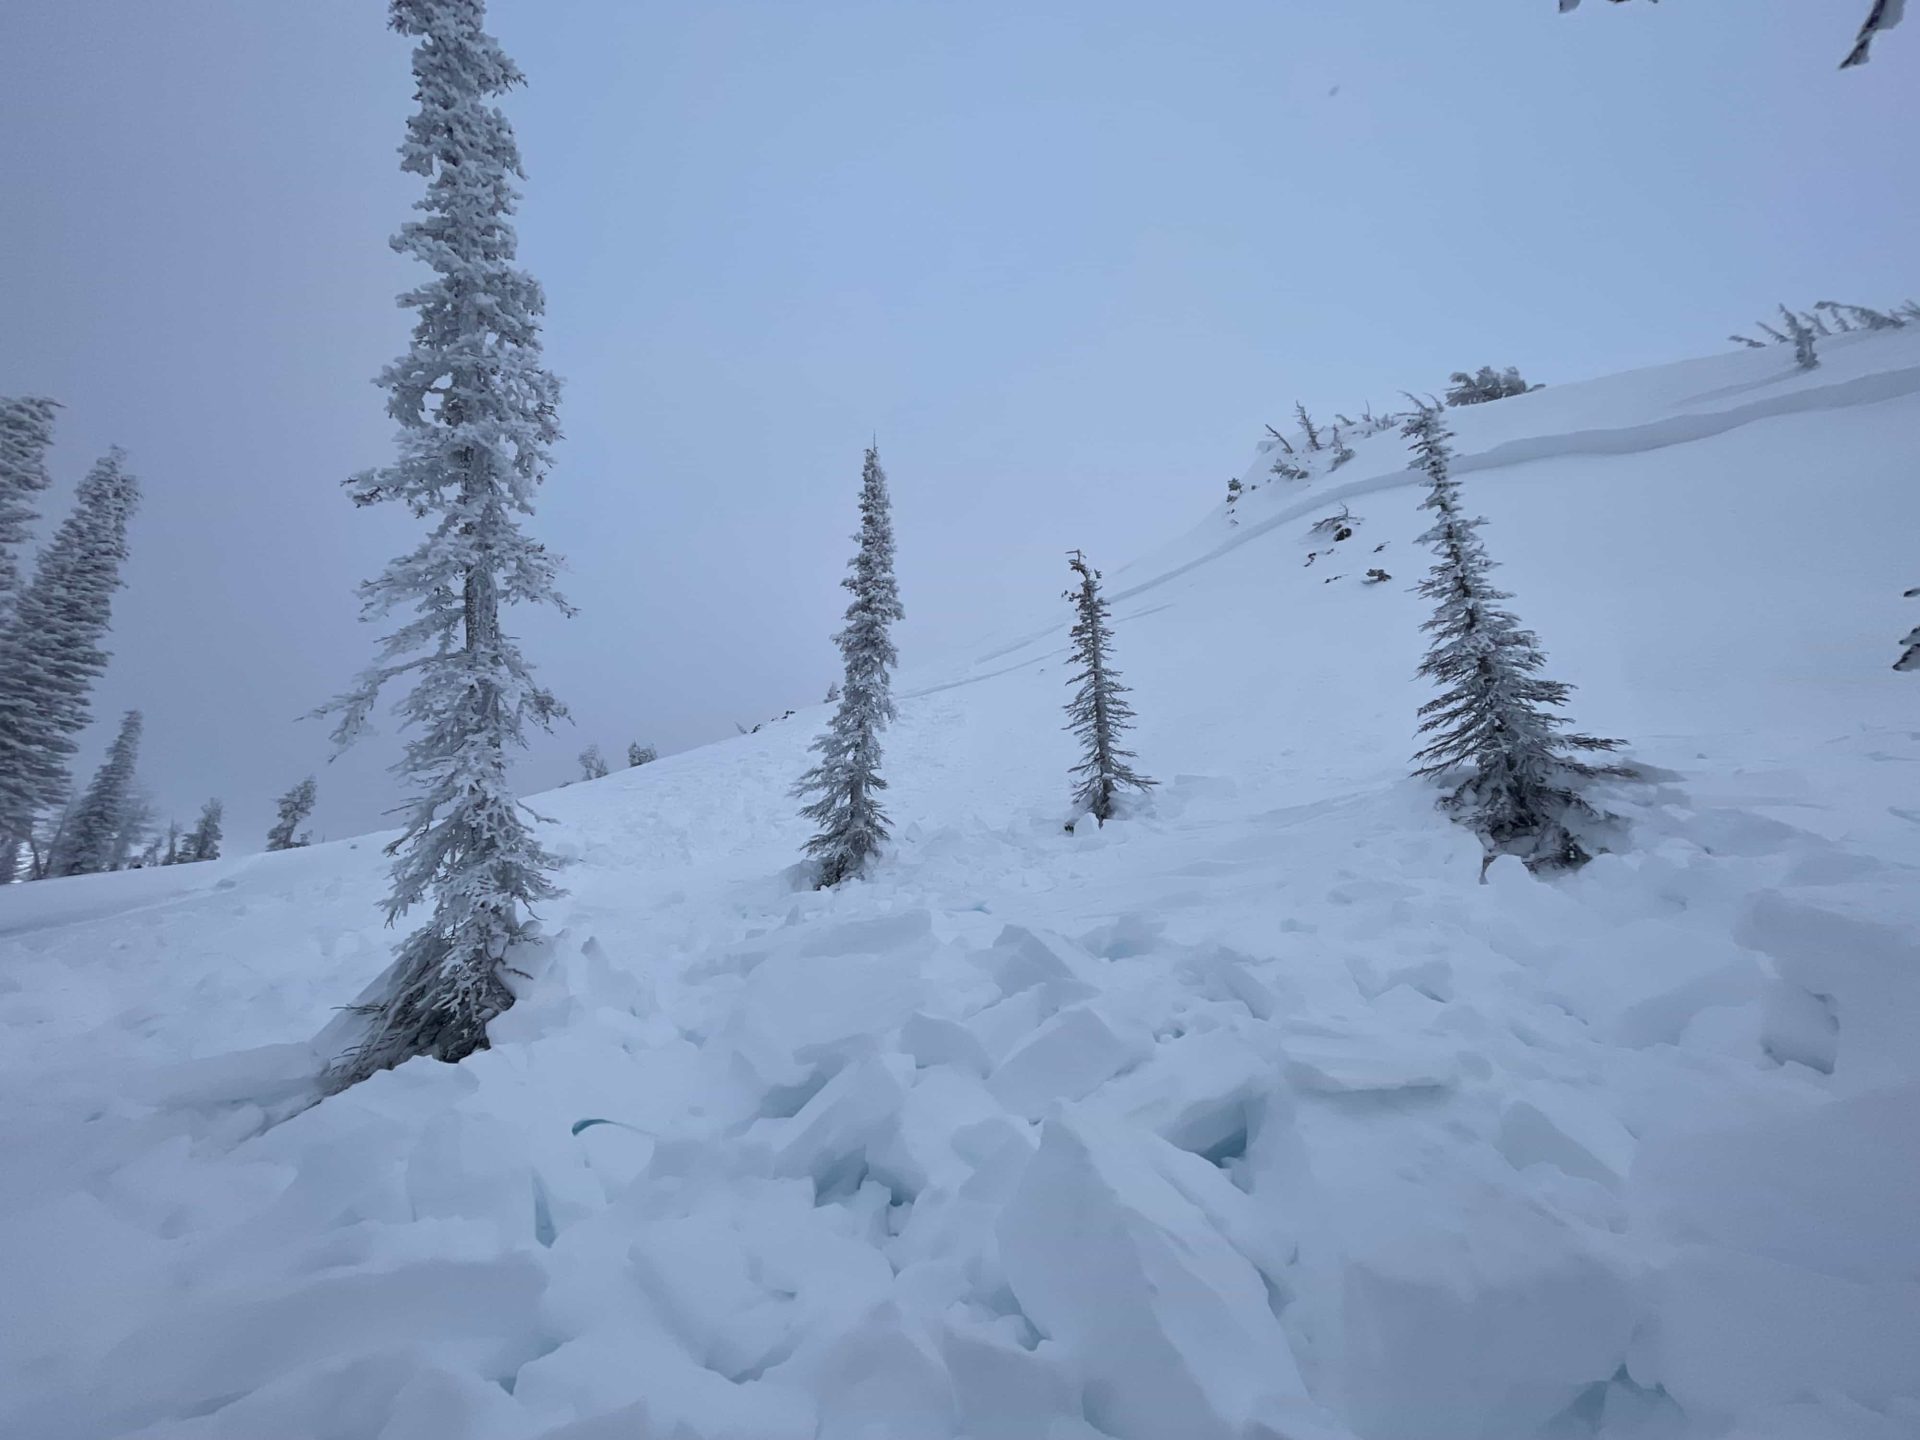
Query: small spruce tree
point(203, 841)
point(96, 837)
point(1910, 645)
point(593, 765)
point(1516, 780)
point(293, 809)
point(638, 754)
point(1306, 425)
point(846, 783)
point(1097, 712)
point(1804, 354)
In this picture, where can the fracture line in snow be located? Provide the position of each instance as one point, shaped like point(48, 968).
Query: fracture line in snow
point(1625, 440)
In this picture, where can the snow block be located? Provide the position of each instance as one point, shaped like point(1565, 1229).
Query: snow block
point(1021, 959)
point(1347, 1064)
point(1168, 1325)
point(1732, 1331)
point(1489, 1323)
point(931, 1041)
point(827, 1140)
point(1569, 1132)
point(1871, 973)
point(1830, 1188)
point(878, 1378)
point(817, 1002)
point(1006, 1392)
point(1065, 1059)
point(1197, 1092)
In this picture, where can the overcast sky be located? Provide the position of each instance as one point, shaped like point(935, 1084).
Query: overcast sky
point(1064, 259)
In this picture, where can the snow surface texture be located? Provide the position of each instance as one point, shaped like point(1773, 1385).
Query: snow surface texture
point(1249, 1116)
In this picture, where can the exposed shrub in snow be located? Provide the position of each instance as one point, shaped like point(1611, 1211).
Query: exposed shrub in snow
point(846, 782)
point(1306, 425)
point(1098, 713)
point(1340, 526)
point(1233, 499)
point(1484, 385)
point(1910, 655)
point(638, 754)
point(1518, 780)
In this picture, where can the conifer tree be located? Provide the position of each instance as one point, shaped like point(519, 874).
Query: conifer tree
point(593, 765)
point(294, 807)
point(1910, 644)
point(26, 434)
point(638, 754)
point(1803, 351)
point(203, 841)
point(1517, 780)
point(846, 783)
point(1098, 712)
point(95, 836)
point(1306, 425)
point(476, 410)
point(50, 651)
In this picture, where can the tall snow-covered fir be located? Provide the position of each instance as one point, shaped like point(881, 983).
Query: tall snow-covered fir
point(293, 809)
point(1098, 713)
point(476, 410)
point(50, 650)
point(846, 782)
point(1516, 779)
point(26, 434)
point(98, 835)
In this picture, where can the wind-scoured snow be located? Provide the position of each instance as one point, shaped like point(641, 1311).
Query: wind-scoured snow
point(1250, 1114)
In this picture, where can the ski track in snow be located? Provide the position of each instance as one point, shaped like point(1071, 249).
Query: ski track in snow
point(1251, 1116)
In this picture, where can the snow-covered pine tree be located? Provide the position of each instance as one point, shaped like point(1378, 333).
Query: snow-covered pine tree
point(203, 841)
point(26, 434)
point(50, 651)
point(1518, 779)
point(1910, 653)
point(638, 754)
point(845, 783)
point(293, 809)
point(1098, 712)
point(476, 410)
point(1804, 354)
point(593, 765)
point(1342, 452)
point(94, 836)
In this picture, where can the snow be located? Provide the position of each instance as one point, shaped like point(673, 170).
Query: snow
point(1252, 1114)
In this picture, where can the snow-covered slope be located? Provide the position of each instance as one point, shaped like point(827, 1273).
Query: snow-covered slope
point(1251, 1116)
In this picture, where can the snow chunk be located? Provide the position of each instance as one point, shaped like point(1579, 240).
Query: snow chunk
point(1335, 1065)
point(1063, 1060)
point(1167, 1322)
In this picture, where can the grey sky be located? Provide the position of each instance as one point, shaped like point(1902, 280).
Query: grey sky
point(1064, 258)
